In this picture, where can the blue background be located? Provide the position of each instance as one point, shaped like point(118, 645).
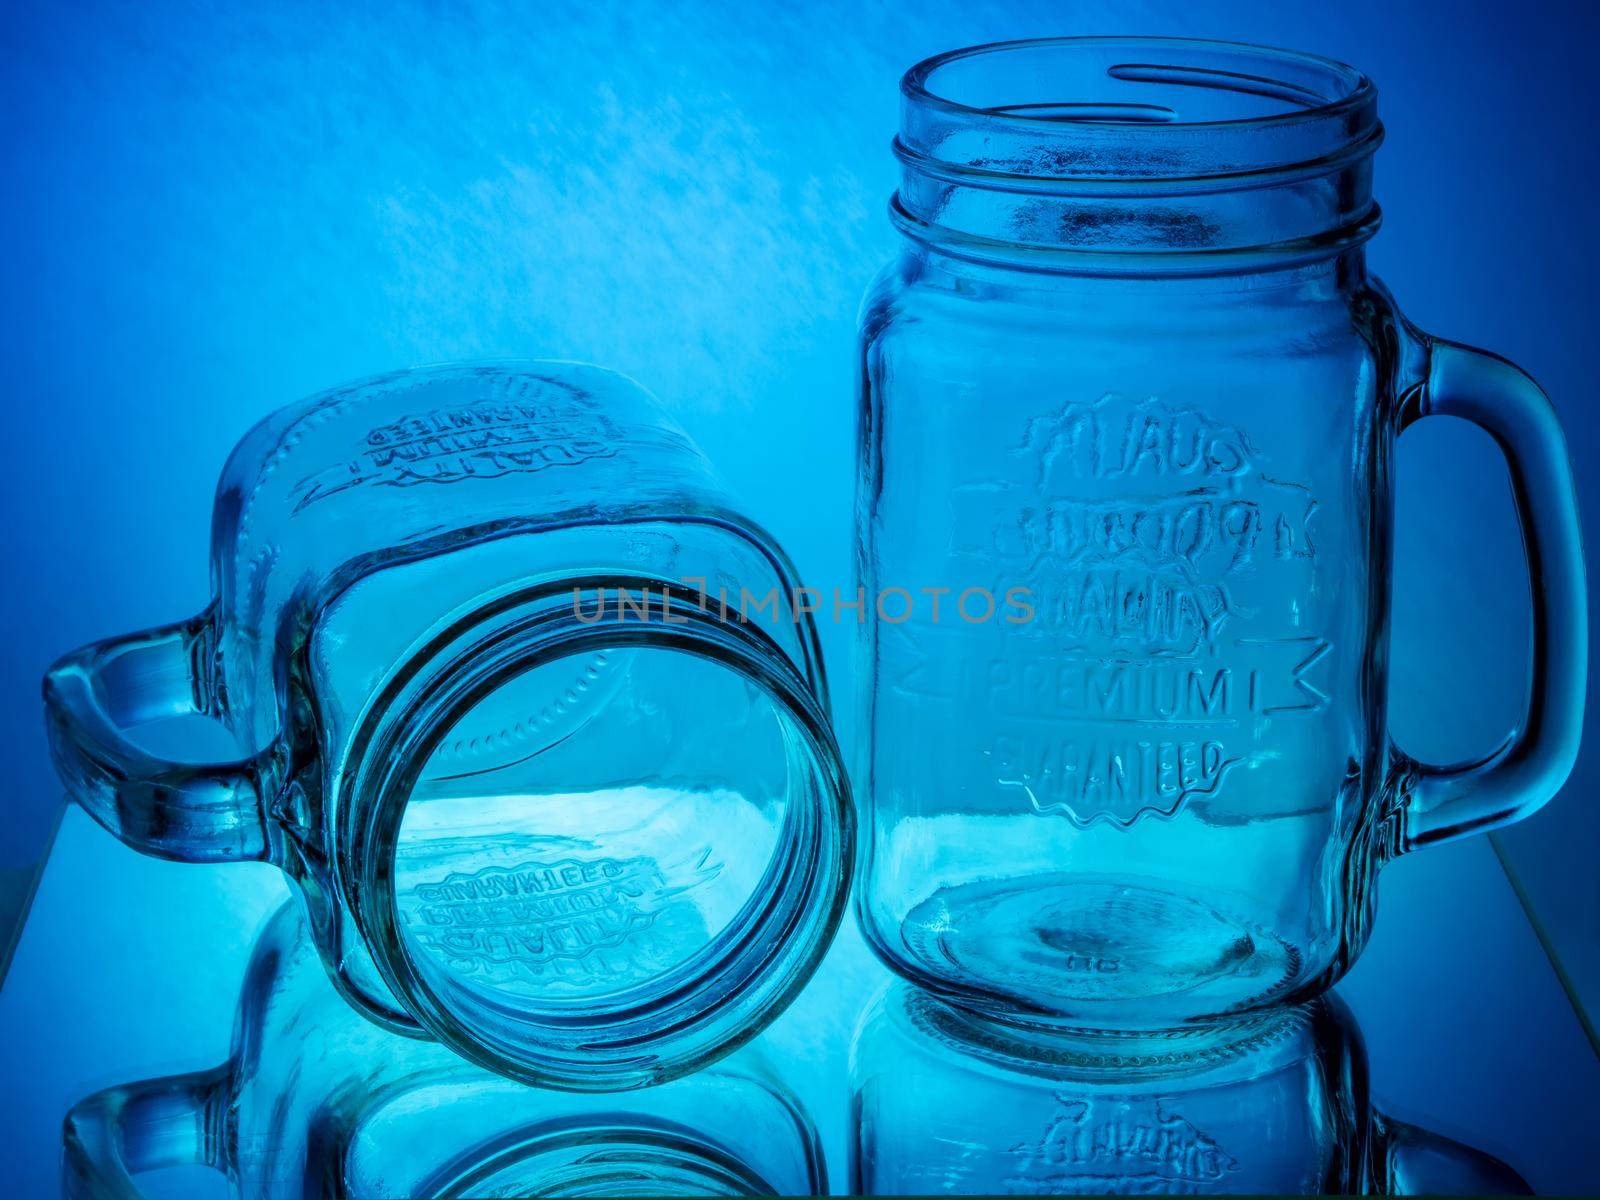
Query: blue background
point(212, 212)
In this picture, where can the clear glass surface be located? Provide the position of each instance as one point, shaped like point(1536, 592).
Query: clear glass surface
point(1451, 968)
point(316, 1103)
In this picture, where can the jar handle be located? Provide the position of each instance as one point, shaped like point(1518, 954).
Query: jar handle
point(1536, 758)
point(186, 811)
point(1412, 1161)
point(116, 1134)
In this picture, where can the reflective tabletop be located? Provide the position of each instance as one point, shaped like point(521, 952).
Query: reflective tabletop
point(128, 969)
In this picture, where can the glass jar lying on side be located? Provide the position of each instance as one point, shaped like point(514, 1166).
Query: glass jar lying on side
point(316, 1103)
point(546, 795)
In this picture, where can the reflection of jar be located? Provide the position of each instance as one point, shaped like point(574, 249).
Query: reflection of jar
point(542, 797)
point(317, 1103)
point(948, 1104)
point(1130, 404)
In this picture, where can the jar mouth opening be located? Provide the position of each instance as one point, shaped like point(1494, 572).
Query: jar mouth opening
point(582, 916)
point(1283, 85)
point(1132, 109)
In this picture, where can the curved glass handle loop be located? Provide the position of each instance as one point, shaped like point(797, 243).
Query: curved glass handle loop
point(116, 1134)
point(1411, 1161)
point(1534, 761)
point(190, 812)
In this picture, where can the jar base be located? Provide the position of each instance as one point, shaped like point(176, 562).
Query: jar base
point(1097, 951)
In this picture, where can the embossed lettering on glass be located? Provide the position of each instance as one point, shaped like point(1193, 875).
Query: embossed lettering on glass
point(546, 797)
point(1130, 402)
point(314, 1103)
point(1275, 1105)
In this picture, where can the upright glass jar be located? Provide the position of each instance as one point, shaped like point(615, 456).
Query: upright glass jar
point(1130, 401)
point(553, 791)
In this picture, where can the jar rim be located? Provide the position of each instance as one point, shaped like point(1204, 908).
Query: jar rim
point(786, 940)
point(1133, 155)
point(915, 84)
point(1133, 117)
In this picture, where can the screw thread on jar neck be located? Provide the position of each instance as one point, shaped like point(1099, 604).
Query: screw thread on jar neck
point(1142, 151)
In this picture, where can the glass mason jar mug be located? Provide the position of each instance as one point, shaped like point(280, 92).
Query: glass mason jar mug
point(544, 799)
point(1130, 401)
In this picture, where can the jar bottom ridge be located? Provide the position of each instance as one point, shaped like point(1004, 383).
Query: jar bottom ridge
point(1095, 952)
